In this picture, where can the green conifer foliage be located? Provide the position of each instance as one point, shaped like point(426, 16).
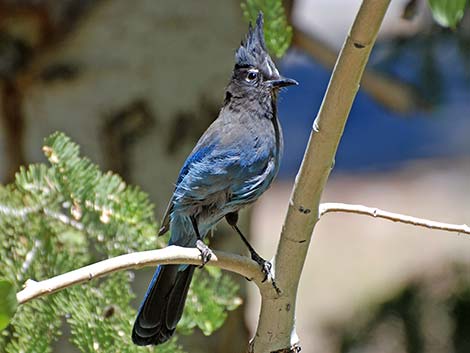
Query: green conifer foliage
point(58, 217)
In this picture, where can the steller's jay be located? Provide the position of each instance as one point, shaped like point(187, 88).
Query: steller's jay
point(233, 163)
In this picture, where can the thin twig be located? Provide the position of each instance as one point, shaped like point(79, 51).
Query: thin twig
point(169, 255)
point(391, 216)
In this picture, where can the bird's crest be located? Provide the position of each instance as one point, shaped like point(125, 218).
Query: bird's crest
point(253, 52)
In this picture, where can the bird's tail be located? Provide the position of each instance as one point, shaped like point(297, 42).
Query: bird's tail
point(163, 305)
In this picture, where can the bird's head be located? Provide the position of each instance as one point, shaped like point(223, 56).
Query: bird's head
point(254, 69)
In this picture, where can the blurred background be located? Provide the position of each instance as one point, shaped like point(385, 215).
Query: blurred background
point(136, 84)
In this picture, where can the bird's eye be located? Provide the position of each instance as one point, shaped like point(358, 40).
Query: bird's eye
point(251, 76)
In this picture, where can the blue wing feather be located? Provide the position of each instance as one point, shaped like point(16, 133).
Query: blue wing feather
point(214, 170)
point(230, 167)
point(194, 157)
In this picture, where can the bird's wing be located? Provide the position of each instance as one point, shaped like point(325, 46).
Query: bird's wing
point(238, 171)
point(199, 154)
point(249, 189)
point(228, 159)
point(201, 151)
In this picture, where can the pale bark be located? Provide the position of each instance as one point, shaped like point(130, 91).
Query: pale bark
point(169, 255)
point(331, 207)
point(276, 326)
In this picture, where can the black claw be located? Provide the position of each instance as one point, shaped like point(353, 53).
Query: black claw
point(206, 252)
point(266, 267)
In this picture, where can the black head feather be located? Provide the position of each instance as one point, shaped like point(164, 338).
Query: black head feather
point(253, 52)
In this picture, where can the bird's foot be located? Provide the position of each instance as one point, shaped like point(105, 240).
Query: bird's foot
point(266, 268)
point(206, 252)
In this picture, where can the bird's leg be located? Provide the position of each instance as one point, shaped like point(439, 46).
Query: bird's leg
point(265, 265)
point(232, 219)
point(206, 252)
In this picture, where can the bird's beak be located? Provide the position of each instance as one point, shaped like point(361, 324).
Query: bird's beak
point(282, 82)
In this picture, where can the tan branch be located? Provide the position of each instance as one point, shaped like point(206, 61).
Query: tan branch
point(330, 207)
point(169, 255)
point(276, 326)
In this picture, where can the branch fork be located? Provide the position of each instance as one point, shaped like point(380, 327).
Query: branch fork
point(242, 265)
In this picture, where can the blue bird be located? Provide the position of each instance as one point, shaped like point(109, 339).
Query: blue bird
point(234, 162)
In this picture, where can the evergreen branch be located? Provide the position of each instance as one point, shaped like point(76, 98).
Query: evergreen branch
point(20, 212)
point(169, 255)
point(29, 258)
point(63, 219)
point(391, 216)
point(53, 219)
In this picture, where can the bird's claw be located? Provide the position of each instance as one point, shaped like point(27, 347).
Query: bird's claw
point(266, 268)
point(265, 265)
point(206, 252)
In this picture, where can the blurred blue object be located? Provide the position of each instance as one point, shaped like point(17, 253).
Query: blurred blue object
point(376, 138)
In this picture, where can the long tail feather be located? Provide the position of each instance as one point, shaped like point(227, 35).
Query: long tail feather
point(163, 305)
